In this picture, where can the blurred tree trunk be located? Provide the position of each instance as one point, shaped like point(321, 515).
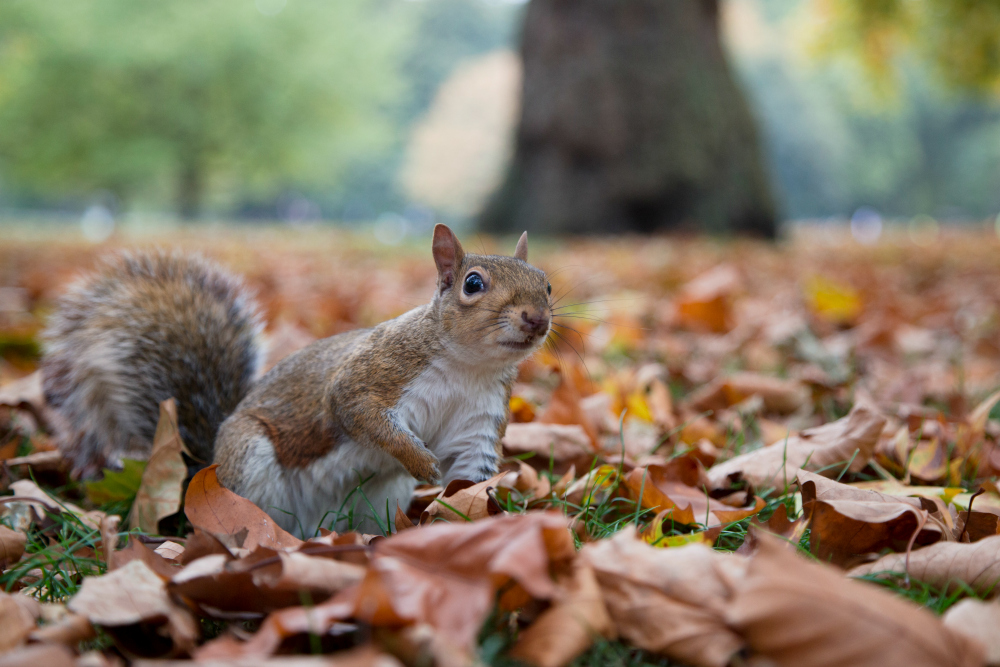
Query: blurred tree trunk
point(631, 121)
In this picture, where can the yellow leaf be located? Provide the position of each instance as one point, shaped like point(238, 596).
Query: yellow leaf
point(521, 410)
point(637, 407)
point(832, 301)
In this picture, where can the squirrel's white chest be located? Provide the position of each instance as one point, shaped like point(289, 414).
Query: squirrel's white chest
point(454, 412)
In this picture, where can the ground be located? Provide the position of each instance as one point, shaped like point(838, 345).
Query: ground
point(675, 405)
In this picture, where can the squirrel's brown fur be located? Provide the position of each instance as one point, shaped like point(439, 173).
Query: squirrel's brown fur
point(144, 328)
point(367, 411)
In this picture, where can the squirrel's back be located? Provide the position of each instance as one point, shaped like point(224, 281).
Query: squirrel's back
point(144, 328)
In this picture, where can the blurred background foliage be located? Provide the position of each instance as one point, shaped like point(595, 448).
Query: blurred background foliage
point(403, 110)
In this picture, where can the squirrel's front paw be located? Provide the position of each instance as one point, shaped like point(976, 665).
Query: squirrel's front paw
point(425, 467)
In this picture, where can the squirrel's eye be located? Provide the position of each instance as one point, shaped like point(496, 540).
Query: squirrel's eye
point(473, 283)
point(548, 289)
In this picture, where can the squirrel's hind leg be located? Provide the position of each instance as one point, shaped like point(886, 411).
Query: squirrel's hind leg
point(349, 488)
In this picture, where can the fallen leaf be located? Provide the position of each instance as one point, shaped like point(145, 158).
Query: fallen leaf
point(668, 601)
point(944, 564)
point(564, 408)
point(779, 396)
point(704, 303)
point(832, 300)
point(792, 612)
point(565, 630)
point(298, 571)
point(159, 494)
point(826, 448)
point(26, 394)
point(928, 461)
point(40, 502)
point(44, 461)
point(109, 537)
point(70, 630)
point(131, 595)
point(402, 522)
point(672, 487)
point(16, 623)
point(464, 501)
point(136, 550)
point(49, 655)
point(521, 411)
point(847, 523)
point(217, 510)
point(12, 545)
point(978, 620)
point(116, 485)
point(445, 575)
point(170, 551)
point(561, 443)
point(779, 525)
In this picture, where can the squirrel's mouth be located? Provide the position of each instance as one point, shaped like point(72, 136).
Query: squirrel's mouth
point(525, 345)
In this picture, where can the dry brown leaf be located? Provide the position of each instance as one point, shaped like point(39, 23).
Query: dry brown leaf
point(159, 493)
point(444, 575)
point(779, 396)
point(530, 484)
point(402, 521)
point(672, 486)
point(131, 595)
point(564, 408)
point(12, 544)
point(464, 501)
point(564, 444)
point(222, 587)
point(793, 612)
point(779, 525)
point(847, 522)
point(109, 537)
point(38, 462)
point(40, 501)
point(26, 394)
point(170, 551)
point(297, 571)
point(704, 303)
point(565, 630)
point(928, 461)
point(447, 574)
point(668, 601)
point(47, 655)
point(851, 438)
point(70, 630)
point(978, 620)
point(136, 550)
point(16, 622)
point(944, 564)
point(217, 510)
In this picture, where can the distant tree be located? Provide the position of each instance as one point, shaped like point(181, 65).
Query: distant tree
point(960, 38)
point(167, 99)
point(631, 119)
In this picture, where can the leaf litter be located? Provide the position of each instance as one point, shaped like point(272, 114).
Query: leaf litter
point(733, 454)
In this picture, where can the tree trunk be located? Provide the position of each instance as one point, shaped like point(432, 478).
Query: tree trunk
point(190, 188)
point(631, 121)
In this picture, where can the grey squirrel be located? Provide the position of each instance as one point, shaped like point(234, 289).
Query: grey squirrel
point(335, 434)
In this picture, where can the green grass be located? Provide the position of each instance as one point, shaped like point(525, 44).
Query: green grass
point(64, 551)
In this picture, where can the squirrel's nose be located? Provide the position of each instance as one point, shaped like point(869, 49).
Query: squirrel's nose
point(534, 323)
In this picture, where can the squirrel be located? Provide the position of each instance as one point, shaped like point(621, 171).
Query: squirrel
point(336, 434)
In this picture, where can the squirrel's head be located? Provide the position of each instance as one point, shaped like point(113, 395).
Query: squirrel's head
point(495, 309)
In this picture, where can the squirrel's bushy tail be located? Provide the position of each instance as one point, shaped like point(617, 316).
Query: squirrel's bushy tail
point(143, 328)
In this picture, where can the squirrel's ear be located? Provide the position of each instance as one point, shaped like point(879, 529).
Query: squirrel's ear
point(448, 255)
point(521, 251)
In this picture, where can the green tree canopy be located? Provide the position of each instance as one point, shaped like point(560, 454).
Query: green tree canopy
point(162, 100)
point(960, 38)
